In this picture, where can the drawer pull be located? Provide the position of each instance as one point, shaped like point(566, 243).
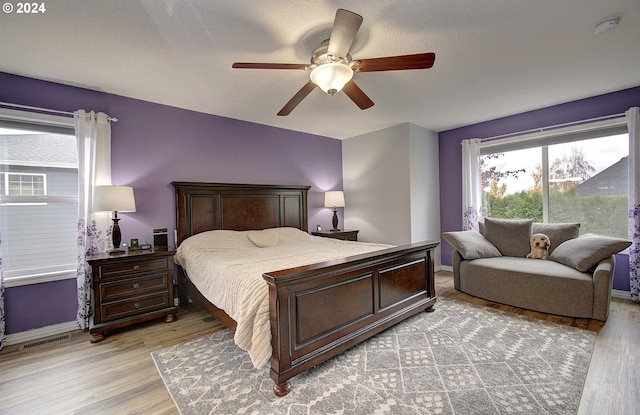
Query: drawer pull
point(136, 267)
point(136, 285)
point(136, 305)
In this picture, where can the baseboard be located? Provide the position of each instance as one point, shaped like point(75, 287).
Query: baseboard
point(621, 294)
point(25, 336)
point(445, 268)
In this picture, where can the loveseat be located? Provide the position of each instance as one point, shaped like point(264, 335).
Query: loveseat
point(574, 281)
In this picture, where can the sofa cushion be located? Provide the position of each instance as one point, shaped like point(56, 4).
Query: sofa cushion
point(471, 244)
point(544, 286)
point(557, 232)
point(588, 250)
point(510, 236)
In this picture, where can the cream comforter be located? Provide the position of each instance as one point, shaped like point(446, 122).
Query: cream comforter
point(227, 268)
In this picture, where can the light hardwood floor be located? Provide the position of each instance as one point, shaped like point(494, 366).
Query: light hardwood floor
point(118, 376)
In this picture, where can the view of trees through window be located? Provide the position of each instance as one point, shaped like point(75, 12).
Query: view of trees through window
point(581, 181)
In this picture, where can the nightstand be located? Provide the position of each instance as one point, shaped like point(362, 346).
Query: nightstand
point(131, 288)
point(344, 234)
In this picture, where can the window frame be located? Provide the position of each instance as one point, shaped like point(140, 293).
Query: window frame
point(546, 137)
point(55, 124)
point(7, 187)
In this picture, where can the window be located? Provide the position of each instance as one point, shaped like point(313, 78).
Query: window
point(23, 184)
point(38, 200)
point(577, 174)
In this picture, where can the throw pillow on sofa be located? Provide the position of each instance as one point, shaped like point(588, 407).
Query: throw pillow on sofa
point(510, 236)
point(471, 244)
point(587, 251)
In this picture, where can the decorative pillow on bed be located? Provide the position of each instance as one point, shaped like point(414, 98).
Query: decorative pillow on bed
point(557, 232)
point(263, 239)
point(510, 236)
point(471, 244)
point(588, 250)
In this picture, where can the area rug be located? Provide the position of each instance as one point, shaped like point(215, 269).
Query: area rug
point(461, 359)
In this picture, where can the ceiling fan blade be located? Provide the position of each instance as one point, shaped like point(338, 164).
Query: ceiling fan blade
point(249, 65)
point(345, 27)
point(356, 94)
point(297, 98)
point(396, 63)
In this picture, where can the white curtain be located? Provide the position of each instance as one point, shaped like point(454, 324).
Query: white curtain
point(1, 299)
point(93, 133)
point(471, 184)
point(633, 123)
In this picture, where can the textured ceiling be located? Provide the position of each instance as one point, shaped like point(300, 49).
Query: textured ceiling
point(493, 57)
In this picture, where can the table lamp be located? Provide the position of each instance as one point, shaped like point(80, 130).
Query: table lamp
point(334, 199)
point(114, 199)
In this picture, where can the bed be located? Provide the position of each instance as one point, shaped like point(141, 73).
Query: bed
point(314, 311)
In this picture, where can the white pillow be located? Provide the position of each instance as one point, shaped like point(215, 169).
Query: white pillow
point(263, 239)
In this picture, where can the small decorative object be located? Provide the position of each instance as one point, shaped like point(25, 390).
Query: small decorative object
point(160, 238)
point(334, 199)
point(114, 199)
point(540, 244)
point(136, 246)
point(318, 228)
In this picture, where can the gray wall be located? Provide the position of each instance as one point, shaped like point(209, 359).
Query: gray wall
point(391, 185)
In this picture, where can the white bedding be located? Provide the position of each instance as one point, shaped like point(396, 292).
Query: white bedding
point(227, 269)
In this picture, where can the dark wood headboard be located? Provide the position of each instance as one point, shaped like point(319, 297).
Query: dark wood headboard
point(210, 206)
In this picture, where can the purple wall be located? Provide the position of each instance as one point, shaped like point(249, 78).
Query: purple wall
point(153, 145)
point(39, 305)
point(450, 153)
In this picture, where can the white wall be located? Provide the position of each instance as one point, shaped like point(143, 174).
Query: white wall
point(391, 185)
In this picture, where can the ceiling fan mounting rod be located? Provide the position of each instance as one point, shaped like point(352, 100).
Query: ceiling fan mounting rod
point(321, 55)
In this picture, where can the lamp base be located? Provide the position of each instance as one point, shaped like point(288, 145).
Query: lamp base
point(334, 220)
point(116, 237)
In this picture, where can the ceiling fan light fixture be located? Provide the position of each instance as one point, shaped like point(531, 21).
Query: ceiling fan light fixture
point(331, 77)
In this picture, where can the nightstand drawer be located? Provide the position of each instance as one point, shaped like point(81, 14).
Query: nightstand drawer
point(111, 291)
point(134, 306)
point(128, 268)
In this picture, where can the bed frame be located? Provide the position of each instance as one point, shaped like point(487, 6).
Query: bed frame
point(319, 310)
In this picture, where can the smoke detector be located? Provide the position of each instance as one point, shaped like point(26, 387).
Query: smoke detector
point(606, 25)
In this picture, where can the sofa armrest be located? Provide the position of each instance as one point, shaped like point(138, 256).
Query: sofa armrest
point(602, 285)
point(456, 259)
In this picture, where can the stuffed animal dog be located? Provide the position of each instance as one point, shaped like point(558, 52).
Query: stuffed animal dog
point(540, 244)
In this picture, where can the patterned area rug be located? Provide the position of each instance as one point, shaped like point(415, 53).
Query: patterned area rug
point(462, 359)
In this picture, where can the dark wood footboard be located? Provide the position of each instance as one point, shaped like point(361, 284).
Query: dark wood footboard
point(320, 310)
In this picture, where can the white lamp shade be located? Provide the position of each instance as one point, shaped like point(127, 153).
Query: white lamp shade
point(114, 199)
point(331, 77)
point(334, 199)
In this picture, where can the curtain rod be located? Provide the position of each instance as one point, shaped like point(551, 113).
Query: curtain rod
point(554, 127)
point(45, 110)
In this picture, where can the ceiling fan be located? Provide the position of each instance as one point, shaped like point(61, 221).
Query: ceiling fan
point(332, 66)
